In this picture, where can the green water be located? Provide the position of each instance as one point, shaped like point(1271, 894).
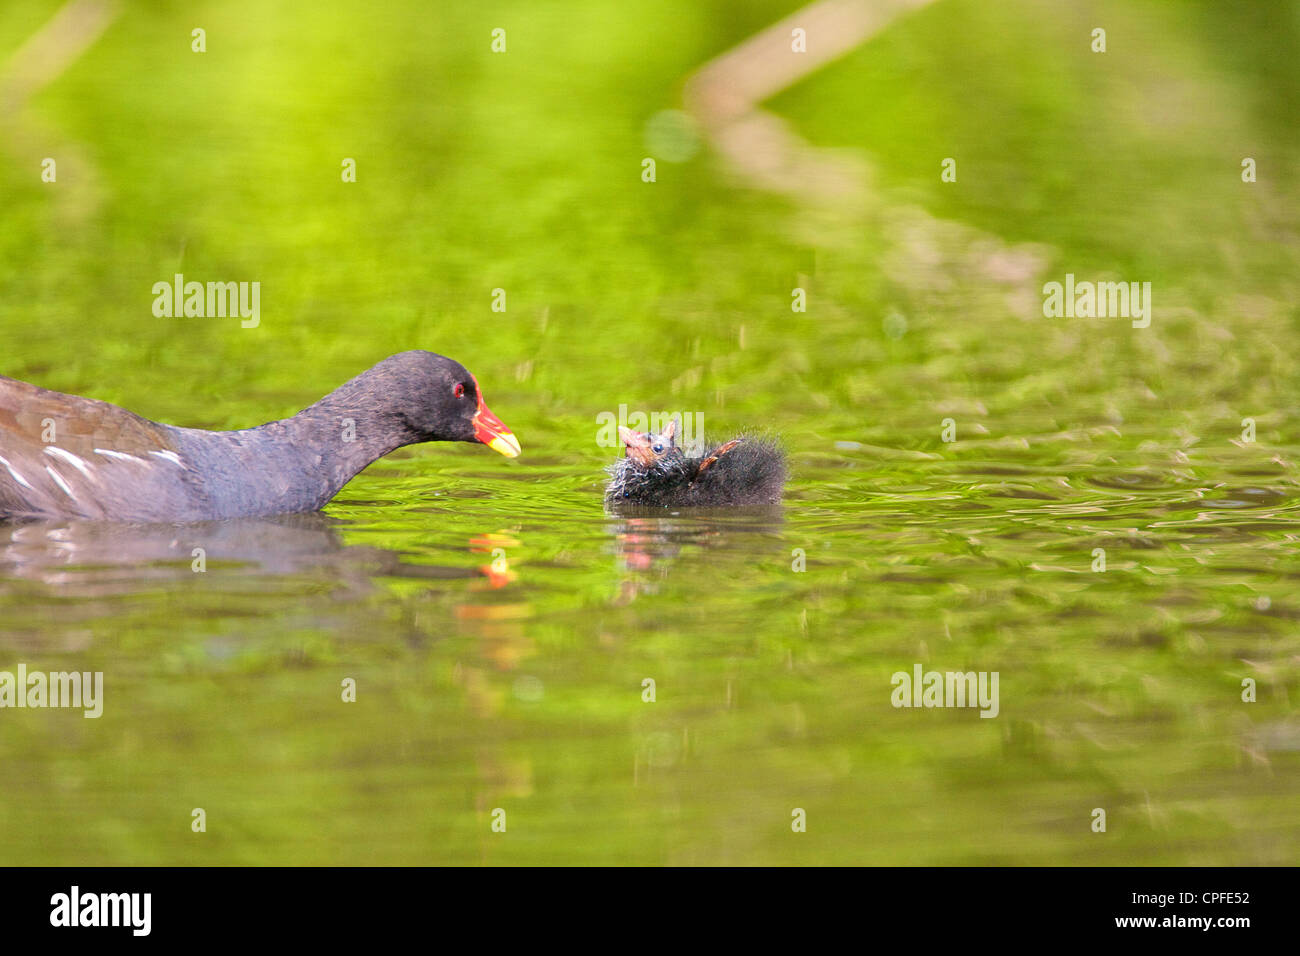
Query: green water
point(498, 623)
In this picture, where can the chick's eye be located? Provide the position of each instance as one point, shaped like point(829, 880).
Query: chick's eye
point(459, 390)
point(658, 449)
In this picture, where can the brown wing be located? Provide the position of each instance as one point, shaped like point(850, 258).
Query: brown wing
point(718, 453)
point(61, 455)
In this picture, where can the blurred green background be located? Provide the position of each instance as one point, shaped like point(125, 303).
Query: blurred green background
point(498, 622)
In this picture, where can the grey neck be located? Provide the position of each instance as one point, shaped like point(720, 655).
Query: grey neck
point(298, 463)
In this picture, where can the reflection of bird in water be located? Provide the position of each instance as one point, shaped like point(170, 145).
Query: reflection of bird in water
point(655, 472)
point(654, 539)
point(90, 558)
point(643, 541)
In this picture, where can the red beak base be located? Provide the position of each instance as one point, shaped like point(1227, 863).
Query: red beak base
point(492, 431)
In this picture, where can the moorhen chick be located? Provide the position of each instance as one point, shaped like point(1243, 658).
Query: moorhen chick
point(62, 456)
point(654, 472)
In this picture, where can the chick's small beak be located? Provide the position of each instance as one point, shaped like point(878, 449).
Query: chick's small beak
point(492, 432)
point(641, 454)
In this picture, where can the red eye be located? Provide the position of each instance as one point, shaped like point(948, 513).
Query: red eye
point(459, 390)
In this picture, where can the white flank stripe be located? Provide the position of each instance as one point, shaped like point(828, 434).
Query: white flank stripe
point(117, 454)
point(62, 484)
point(70, 458)
point(17, 477)
point(171, 456)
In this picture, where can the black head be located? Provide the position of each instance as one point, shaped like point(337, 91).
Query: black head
point(438, 399)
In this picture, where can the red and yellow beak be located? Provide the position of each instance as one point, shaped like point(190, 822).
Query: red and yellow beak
point(492, 431)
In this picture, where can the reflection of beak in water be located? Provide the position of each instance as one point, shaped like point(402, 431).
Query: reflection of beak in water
point(496, 621)
point(502, 646)
point(498, 572)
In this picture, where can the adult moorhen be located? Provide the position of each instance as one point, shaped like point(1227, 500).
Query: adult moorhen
point(65, 456)
point(654, 472)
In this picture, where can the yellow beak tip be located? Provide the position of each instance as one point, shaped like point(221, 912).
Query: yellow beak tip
point(506, 444)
